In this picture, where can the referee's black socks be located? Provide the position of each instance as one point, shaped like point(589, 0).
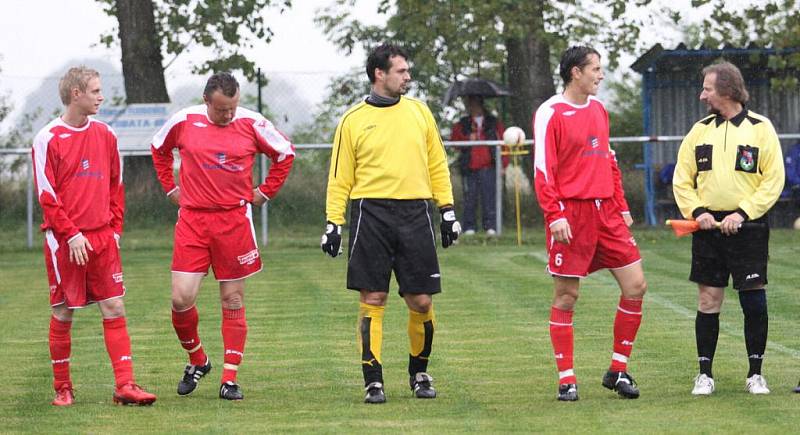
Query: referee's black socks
point(706, 330)
point(756, 322)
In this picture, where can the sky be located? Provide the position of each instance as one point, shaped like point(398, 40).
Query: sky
point(36, 45)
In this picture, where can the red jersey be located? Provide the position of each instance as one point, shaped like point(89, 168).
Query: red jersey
point(217, 160)
point(78, 178)
point(572, 157)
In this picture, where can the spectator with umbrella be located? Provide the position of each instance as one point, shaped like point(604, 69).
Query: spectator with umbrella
point(477, 163)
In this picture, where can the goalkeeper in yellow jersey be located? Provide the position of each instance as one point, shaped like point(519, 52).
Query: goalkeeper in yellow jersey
point(389, 161)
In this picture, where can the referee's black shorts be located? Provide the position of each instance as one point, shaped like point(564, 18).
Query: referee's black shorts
point(392, 235)
point(743, 256)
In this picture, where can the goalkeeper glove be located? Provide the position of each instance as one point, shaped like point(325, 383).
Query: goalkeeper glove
point(450, 226)
point(331, 242)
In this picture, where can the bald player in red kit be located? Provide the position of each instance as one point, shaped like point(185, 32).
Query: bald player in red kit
point(79, 183)
point(217, 142)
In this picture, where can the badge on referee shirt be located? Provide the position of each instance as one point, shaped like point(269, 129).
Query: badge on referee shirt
point(747, 159)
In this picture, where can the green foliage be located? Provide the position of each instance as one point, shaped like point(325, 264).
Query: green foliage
point(343, 91)
point(625, 113)
point(223, 26)
point(450, 39)
point(764, 23)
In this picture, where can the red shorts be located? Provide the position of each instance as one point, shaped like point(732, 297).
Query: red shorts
point(225, 240)
point(600, 240)
point(77, 286)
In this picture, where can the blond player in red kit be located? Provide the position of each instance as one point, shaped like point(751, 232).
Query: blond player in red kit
point(579, 188)
point(217, 142)
point(79, 182)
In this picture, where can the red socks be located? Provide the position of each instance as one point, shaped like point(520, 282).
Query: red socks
point(118, 345)
point(234, 334)
point(626, 324)
point(561, 336)
point(60, 347)
point(185, 324)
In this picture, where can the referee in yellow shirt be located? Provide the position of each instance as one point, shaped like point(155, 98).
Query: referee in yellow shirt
point(389, 161)
point(729, 171)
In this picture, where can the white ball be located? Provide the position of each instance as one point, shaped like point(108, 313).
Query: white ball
point(514, 136)
point(797, 224)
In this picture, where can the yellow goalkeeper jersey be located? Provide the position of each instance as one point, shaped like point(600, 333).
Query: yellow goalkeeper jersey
point(387, 152)
point(727, 165)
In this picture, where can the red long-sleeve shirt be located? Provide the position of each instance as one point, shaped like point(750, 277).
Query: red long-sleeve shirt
point(78, 178)
point(217, 160)
point(572, 157)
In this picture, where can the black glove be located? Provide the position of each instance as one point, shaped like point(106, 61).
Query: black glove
point(331, 242)
point(450, 226)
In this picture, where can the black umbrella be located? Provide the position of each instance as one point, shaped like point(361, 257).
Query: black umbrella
point(474, 86)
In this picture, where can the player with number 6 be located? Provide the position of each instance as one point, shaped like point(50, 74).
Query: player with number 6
point(579, 188)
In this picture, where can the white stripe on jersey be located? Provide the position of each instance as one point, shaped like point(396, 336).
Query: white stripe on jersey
point(541, 120)
point(40, 144)
point(177, 118)
point(266, 130)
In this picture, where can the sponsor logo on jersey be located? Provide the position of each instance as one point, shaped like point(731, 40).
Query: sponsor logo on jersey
point(248, 258)
point(594, 142)
point(370, 127)
point(117, 277)
point(85, 172)
point(64, 135)
point(199, 124)
point(569, 113)
point(222, 163)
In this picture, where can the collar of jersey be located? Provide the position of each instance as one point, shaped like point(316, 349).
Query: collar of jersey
point(81, 128)
point(366, 100)
point(736, 120)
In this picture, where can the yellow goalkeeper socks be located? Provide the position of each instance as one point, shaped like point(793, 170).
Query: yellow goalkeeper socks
point(370, 339)
point(420, 337)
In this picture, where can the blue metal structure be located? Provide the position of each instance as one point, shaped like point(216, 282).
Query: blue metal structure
point(671, 83)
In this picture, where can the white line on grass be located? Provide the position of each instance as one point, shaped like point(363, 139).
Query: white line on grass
point(679, 309)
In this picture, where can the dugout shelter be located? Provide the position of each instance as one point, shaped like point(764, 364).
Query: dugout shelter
point(671, 85)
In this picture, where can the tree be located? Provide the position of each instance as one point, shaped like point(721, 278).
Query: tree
point(448, 39)
point(148, 28)
point(765, 23)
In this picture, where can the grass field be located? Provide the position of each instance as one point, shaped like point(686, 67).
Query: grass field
point(492, 358)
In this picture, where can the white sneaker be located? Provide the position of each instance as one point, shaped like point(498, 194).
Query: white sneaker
point(491, 232)
point(756, 384)
point(469, 232)
point(703, 385)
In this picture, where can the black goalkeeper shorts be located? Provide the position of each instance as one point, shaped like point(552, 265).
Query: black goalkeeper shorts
point(392, 235)
point(743, 256)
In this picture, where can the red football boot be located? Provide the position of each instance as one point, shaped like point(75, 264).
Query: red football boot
point(64, 396)
point(132, 394)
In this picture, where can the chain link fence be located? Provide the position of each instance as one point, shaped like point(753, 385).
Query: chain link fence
point(306, 107)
